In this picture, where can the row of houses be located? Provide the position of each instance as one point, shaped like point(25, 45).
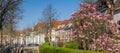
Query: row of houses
point(26, 39)
point(61, 31)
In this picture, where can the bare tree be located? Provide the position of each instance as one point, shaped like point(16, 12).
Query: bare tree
point(49, 15)
point(8, 10)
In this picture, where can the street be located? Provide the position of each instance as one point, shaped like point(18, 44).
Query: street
point(30, 49)
point(26, 49)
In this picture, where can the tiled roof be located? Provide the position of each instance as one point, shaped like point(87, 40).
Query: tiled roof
point(38, 26)
point(57, 23)
point(54, 24)
point(18, 32)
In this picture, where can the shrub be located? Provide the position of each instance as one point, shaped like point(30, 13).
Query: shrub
point(46, 44)
point(71, 44)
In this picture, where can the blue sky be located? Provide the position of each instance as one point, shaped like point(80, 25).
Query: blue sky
point(32, 10)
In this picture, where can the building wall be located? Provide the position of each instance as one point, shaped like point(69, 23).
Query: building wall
point(31, 39)
point(62, 34)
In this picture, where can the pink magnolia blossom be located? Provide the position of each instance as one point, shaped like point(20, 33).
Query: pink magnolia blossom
point(109, 45)
point(83, 15)
point(111, 22)
point(81, 28)
point(118, 41)
point(86, 37)
point(98, 40)
point(100, 37)
point(106, 15)
point(93, 8)
point(109, 49)
point(87, 5)
point(96, 13)
point(90, 24)
point(82, 36)
point(103, 43)
point(105, 35)
point(84, 26)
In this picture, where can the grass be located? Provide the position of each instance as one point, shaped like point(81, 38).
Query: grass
point(45, 48)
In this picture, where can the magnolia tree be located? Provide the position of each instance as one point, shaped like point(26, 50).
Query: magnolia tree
point(94, 30)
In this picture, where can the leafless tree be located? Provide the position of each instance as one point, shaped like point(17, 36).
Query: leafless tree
point(49, 15)
point(8, 14)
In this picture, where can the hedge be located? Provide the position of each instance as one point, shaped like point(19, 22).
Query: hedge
point(48, 49)
point(71, 44)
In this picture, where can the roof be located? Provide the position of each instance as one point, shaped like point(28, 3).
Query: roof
point(54, 24)
point(38, 26)
point(18, 32)
point(57, 23)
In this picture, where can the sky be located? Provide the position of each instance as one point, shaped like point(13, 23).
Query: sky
point(32, 10)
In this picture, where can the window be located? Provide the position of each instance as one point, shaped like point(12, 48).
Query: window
point(118, 22)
